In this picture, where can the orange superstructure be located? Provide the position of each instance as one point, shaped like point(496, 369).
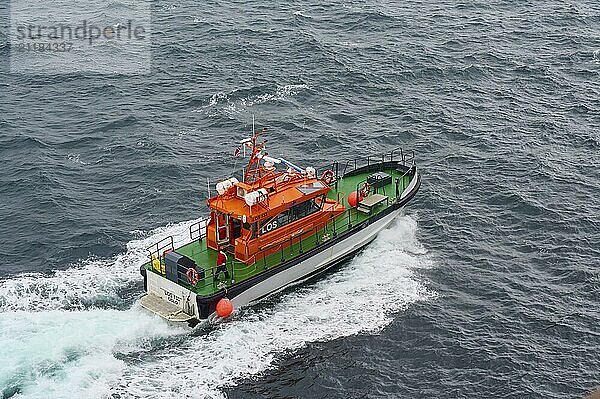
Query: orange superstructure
point(265, 212)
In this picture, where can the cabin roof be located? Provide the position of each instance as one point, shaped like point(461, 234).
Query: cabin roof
point(281, 195)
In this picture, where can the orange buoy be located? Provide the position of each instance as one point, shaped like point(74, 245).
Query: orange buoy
point(224, 307)
point(352, 199)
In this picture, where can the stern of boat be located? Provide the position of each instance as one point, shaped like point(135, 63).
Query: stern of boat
point(169, 300)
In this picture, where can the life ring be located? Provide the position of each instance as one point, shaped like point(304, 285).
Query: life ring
point(365, 190)
point(328, 176)
point(192, 276)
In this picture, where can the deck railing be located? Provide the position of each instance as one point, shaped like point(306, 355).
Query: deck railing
point(157, 251)
point(405, 157)
point(198, 229)
point(265, 257)
point(397, 154)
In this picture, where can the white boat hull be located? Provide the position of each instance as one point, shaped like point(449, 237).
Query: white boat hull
point(174, 294)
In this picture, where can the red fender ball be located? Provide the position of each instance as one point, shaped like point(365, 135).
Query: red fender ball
point(224, 307)
point(353, 200)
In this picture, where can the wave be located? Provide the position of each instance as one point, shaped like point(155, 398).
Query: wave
point(118, 124)
point(227, 104)
point(89, 283)
point(60, 354)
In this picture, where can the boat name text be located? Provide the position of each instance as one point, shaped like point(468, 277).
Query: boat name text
point(172, 297)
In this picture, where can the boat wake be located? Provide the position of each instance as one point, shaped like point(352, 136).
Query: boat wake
point(94, 282)
point(92, 352)
point(73, 354)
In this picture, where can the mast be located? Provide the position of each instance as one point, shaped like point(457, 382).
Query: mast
point(254, 171)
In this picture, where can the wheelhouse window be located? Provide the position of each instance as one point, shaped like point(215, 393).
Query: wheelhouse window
point(296, 212)
point(236, 226)
point(302, 210)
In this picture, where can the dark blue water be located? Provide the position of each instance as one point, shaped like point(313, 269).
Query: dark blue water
point(487, 287)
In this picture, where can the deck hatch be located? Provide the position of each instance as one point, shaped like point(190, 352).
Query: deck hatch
point(310, 188)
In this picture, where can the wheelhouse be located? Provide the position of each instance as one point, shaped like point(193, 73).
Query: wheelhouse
point(248, 225)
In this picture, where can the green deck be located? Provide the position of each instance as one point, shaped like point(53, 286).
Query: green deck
point(207, 258)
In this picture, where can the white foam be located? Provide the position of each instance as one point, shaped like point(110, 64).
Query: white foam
point(302, 13)
point(362, 297)
point(60, 354)
point(91, 281)
point(225, 105)
point(76, 159)
point(216, 98)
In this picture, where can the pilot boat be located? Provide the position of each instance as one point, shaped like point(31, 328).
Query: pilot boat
point(279, 224)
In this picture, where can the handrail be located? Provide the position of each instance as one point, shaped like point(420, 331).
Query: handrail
point(198, 229)
point(158, 249)
point(342, 222)
point(405, 157)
